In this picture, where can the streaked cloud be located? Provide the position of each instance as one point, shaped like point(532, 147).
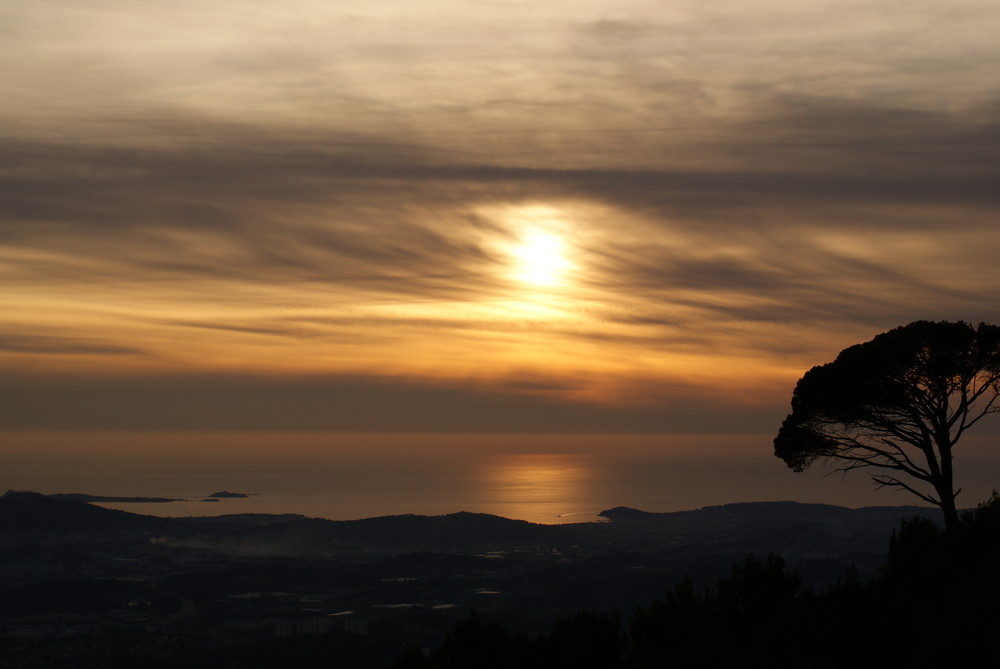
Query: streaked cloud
point(332, 199)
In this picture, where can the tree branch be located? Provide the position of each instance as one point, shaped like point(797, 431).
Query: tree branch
point(885, 481)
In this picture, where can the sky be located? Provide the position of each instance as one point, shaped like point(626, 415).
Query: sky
point(480, 217)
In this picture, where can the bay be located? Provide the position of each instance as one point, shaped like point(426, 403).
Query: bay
point(539, 478)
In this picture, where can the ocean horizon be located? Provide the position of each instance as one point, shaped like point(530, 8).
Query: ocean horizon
point(573, 482)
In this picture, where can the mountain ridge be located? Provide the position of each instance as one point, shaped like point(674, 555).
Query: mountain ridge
point(787, 527)
point(25, 500)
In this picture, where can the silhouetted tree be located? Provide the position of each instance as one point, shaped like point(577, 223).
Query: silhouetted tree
point(943, 587)
point(759, 589)
point(898, 404)
point(474, 644)
point(589, 640)
point(753, 615)
point(933, 606)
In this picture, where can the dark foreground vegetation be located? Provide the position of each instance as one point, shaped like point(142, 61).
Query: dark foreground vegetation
point(935, 604)
point(83, 586)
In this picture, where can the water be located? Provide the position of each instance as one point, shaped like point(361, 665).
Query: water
point(549, 488)
point(572, 482)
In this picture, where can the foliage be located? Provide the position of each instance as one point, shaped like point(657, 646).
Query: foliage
point(934, 605)
point(587, 641)
point(744, 612)
point(897, 404)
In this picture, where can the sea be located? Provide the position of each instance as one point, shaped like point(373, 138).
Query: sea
point(539, 478)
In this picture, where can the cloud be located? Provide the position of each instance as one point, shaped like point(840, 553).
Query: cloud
point(278, 228)
point(50, 345)
point(743, 191)
point(342, 403)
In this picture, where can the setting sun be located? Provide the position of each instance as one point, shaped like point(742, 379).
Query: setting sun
point(541, 258)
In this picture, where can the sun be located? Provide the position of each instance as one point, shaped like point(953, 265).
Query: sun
point(541, 258)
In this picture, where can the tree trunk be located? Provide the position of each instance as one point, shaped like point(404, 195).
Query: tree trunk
point(950, 512)
point(946, 486)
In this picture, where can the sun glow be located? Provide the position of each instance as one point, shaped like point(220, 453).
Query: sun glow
point(541, 258)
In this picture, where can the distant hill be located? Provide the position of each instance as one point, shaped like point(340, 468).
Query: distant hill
point(756, 517)
point(769, 512)
point(813, 532)
point(23, 511)
point(236, 521)
point(81, 497)
point(454, 530)
point(801, 531)
point(805, 532)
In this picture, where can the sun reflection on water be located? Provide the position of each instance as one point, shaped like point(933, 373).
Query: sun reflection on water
point(549, 488)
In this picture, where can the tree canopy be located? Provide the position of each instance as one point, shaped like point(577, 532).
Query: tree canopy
point(897, 404)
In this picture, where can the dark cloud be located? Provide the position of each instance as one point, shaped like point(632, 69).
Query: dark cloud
point(888, 144)
point(788, 282)
point(54, 345)
point(374, 216)
point(755, 182)
point(794, 153)
point(345, 403)
point(226, 327)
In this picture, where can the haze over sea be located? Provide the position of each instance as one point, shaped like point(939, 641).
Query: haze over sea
point(540, 478)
